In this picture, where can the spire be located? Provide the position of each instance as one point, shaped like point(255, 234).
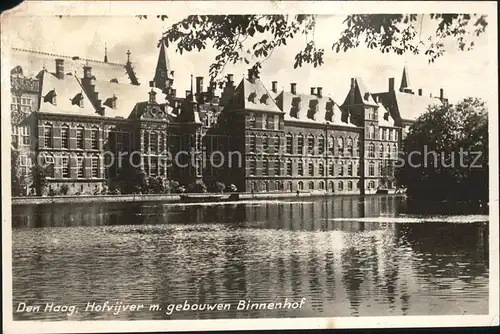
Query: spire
point(162, 77)
point(128, 56)
point(405, 80)
point(192, 84)
point(105, 52)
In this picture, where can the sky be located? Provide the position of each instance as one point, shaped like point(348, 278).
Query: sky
point(460, 74)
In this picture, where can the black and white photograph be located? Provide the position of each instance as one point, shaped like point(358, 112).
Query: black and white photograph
point(208, 165)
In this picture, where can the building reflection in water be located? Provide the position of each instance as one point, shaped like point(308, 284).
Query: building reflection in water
point(349, 256)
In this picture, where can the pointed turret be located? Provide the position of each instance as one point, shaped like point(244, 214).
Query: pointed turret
point(105, 52)
point(405, 82)
point(162, 78)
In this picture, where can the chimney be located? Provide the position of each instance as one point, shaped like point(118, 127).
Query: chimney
point(319, 91)
point(391, 84)
point(230, 79)
point(87, 72)
point(152, 96)
point(60, 68)
point(251, 75)
point(420, 92)
point(173, 92)
point(199, 85)
point(188, 93)
point(376, 97)
point(293, 88)
point(274, 85)
point(313, 91)
point(441, 93)
point(352, 91)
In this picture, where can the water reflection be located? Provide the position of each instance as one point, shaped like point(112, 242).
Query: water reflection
point(349, 256)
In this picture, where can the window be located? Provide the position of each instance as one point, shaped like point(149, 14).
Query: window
point(153, 142)
point(341, 185)
point(270, 122)
point(388, 150)
point(341, 168)
point(276, 143)
point(395, 135)
point(265, 167)
point(65, 166)
point(310, 144)
point(79, 137)
point(289, 167)
point(253, 167)
point(321, 169)
point(371, 169)
point(321, 144)
point(65, 136)
point(265, 142)
point(371, 150)
point(350, 148)
point(331, 185)
point(79, 167)
point(47, 134)
point(300, 143)
point(391, 137)
point(95, 167)
point(371, 132)
point(300, 169)
point(331, 145)
point(340, 144)
point(311, 169)
point(289, 143)
point(322, 185)
point(94, 137)
point(349, 169)
point(311, 185)
point(277, 167)
point(251, 120)
point(371, 185)
point(382, 134)
point(395, 151)
point(25, 135)
point(357, 147)
point(381, 151)
point(301, 185)
point(349, 185)
point(161, 146)
point(145, 136)
point(153, 167)
point(331, 169)
point(380, 169)
point(253, 143)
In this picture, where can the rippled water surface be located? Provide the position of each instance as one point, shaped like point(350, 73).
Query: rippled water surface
point(348, 256)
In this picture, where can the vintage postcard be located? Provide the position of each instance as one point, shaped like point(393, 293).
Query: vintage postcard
point(203, 165)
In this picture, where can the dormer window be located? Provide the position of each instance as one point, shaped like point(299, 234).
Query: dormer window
point(51, 97)
point(252, 97)
point(113, 101)
point(264, 99)
point(152, 96)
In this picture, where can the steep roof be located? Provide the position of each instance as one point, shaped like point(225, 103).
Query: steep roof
point(310, 109)
point(411, 106)
point(405, 79)
point(33, 61)
point(382, 113)
point(127, 96)
point(68, 93)
point(254, 96)
point(359, 94)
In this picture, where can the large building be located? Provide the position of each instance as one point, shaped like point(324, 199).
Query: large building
point(91, 119)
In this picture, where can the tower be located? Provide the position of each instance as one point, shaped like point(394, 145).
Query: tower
point(105, 52)
point(405, 82)
point(163, 78)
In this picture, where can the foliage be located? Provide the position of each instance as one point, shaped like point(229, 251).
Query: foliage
point(19, 180)
point(174, 186)
point(388, 33)
point(158, 185)
point(134, 180)
point(448, 131)
point(232, 188)
point(218, 187)
point(197, 187)
point(64, 189)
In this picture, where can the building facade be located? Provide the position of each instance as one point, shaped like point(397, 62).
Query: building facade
point(89, 120)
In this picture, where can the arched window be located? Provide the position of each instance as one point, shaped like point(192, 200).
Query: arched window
point(311, 185)
point(253, 142)
point(341, 168)
point(300, 143)
point(289, 167)
point(289, 186)
point(349, 168)
point(276, 143)
point(65, 136)
point(350, 148)
point(47, 135)
point(322, 185)
point(266, 185)
point(94, 138)
point(381, 151)
point(80, 137)
point(253, 167)
point(340, 144)
point(371, 169)
point(331, 145)
point(331, 168)
point(289, 143)
point(371, 150)
point(80, 167)
point(265, 167)
point(311, 169)
point(265, 142)
point(395, 151)
point(321, 169)
point(341, 185)
point(349, 185)
point(65, 166)
point(331, 186)
point(300, 168)
point(301, 185)
point(277, 167)
point(321, 144)
point(310, 144)
point(94, 167)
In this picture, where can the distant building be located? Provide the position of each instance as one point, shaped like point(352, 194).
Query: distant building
point(82, 115)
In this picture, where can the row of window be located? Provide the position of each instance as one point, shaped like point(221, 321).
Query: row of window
point(300, 186)
point(348, 169)
point(384, 134)
point(22, 132)
point(387, 151)
point(268, 122)
point(79, 166)
point(346, 147)
point(48, 137)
